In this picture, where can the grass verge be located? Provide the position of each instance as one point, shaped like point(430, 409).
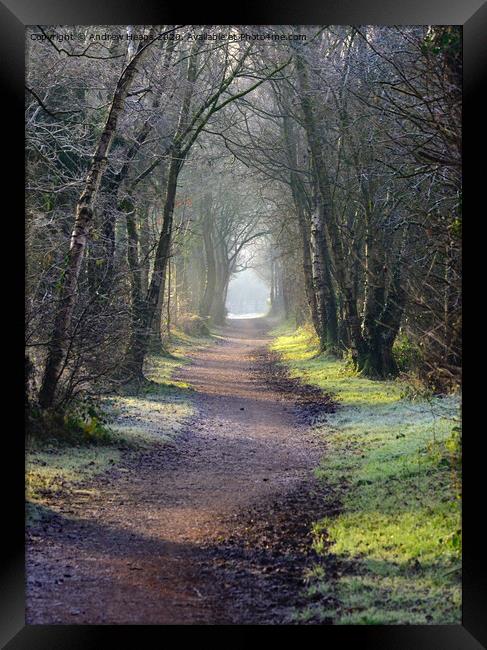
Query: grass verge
point(394, 537)
point(152, 416)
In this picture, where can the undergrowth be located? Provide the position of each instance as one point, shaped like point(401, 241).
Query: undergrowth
point(65, 449)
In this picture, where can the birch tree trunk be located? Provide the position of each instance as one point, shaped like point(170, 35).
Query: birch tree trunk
point(324, 234)
point(325, 223)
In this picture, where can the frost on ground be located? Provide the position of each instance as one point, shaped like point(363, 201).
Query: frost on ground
point(137, 423)
point(148, 419)
point(390, 465)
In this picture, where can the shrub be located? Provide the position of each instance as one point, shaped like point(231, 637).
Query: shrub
point(82, 422)
point(194, 325)
point(406, 353)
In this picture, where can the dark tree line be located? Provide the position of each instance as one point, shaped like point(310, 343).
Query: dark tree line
point(364, 133)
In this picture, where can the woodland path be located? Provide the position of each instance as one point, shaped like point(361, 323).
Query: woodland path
point(209, 530)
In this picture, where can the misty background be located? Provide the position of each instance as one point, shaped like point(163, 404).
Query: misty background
point(248, 295)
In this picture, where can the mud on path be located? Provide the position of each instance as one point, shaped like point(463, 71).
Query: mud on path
point(213, 529)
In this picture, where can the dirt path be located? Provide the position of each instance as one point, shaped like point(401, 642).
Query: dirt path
point(209, 530)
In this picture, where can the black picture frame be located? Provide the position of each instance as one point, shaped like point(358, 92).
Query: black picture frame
point(15, 15)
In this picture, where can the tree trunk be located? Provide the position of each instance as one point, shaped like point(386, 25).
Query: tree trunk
point(324, 232)
point(376, 359)
point(141, 337)
point(144, 246)
point(272, 295)
point(102, 254)
point(308, 276)
point(210, 284)
point(303, 222)
point(370, 361)
point(157, 343)
point(56, 356)
point(139, 348)
point(168, 305)
point(218, 312)
point(137, 299)
point(323, 290)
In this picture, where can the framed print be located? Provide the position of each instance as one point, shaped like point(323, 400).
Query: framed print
point(242, 322)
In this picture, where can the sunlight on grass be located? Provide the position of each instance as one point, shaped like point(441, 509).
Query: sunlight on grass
point(387, 467)
point(138, 421)
point(159, 367)
point(52, 469)
point(57, 470)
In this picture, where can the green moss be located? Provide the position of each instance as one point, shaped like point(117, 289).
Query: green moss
point(396, 534)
